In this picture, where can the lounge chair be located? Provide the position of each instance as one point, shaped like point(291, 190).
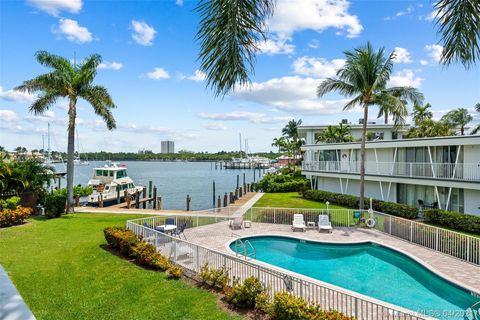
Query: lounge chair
point(324, 223)
point(179, 231)
point(236, 223)
point(298, 222)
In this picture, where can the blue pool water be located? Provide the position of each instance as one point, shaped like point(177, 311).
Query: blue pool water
point(369, 269)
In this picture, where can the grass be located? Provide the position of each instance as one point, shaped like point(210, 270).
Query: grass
point(63, 272)
point(290, 200)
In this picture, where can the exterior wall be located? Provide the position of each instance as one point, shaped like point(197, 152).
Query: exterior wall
point(471, 154)
point(472, 201)
point(372, 188)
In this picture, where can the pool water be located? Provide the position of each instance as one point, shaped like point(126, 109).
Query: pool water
point(369, 269)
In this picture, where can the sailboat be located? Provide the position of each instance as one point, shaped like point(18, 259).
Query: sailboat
point(78, 161)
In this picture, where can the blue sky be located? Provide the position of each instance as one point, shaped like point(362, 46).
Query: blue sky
point(151, 71)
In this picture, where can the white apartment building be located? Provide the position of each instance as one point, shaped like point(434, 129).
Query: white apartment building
point(167, 147)
point(441, 172)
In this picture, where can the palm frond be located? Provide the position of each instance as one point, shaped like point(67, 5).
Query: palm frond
point(407, 93)
point(53, 61)
point(330, 85)
point(357, 101)
point(88, 69)
point(229, 34)
point(459, 27)
point(101, 102)
point(44, 102)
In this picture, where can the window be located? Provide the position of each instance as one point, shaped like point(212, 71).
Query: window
point(121, 174)
point(110, 173)
point(105, 173)
point(99, 172)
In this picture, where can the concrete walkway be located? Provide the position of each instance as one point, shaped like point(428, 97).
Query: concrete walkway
point(12, 306)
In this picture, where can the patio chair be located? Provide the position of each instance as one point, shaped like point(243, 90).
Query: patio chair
point(180, 231)
point(324, 223)
point(236, 223)
point(298, 222)
point(170, 221)
point(162, 230)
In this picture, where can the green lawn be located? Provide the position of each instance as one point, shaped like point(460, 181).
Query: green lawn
point(62, 272)
point(290, 200)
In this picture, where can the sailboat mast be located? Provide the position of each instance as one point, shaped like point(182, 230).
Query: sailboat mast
point(48, 142)
point(240, 135)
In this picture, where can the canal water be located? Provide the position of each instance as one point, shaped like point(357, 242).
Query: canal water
point(174, 180)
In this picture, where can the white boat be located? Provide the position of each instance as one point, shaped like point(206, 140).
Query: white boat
point(110, 181)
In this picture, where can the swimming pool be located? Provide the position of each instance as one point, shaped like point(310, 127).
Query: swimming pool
point(369, 269)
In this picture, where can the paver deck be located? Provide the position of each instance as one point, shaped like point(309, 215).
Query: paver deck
point(216, 236)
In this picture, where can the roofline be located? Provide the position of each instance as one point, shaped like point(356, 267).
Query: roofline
point(414, 142)
point(377, 125)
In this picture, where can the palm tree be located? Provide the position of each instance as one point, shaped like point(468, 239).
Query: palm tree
point(364, 77)
point(421, 113)
point(229, 34)
point(335, 134)
point(458, 117)
point(458, 22)
point(281, 143)
point(477, 127)
point(290, 131)
point(393, 107)
point(70, 81)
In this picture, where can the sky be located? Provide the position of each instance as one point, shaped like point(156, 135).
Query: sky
point(150, 68)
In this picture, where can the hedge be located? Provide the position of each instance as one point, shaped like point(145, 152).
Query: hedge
point(392, 208)
point(13, 217)
point(281, 183)
point(455, 220)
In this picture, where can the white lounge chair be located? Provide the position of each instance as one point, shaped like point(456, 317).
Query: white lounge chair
point(324, 223)
point(298, 222)
point(236, 223)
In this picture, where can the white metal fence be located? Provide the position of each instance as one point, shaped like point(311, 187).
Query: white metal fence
point(461, 171)
point(452, 243)
point(192, 257)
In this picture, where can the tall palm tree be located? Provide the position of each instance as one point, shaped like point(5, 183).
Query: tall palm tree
point(458, 118)
point(335, 134)
point(421, 113)
point(364, 77)
point(459, 29)
point(69, 81)
point(397, 108)
point(281, 143)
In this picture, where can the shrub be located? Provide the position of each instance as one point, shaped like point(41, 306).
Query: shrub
point(455, 220)
point(10, 203)
point(215, 278)
point(160, 262)
point(175, 272)
point(11, 217)
point(144, 253)
point(289, 307)
point(55, 203)
point(245, 295)
point(281, 183)
point(121, 239)
point(392, 208)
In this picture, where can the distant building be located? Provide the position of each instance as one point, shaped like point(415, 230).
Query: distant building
point(168, 147)
point(145, 151)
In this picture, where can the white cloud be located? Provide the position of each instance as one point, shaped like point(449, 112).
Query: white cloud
point(292, 16)
point(54, 7)
point(215, 126)
point(423, 62)
point(434, 51)
point(317, 67)
point(290, 94)
point(16, 96)
point(313, 43)
point(232, 116)
point(405, 12)
point(405, 78)
point(8, 116)
point(276, 45)
point(110, 65)
point(197, 77)
point(402, 55)
point(431, 16)
point(73, 31)
point(158, 73)
point(179, 2)
point(143, 34)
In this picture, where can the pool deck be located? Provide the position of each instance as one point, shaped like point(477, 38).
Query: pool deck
point(217, 236)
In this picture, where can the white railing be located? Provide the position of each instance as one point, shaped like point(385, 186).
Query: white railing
point(461, 171)
point(448, 242)
point(192, 257)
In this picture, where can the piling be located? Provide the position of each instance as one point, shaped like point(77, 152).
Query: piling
point(144, 198)
point(238, 180)
point(100, 201)
point(225, 200)
point(118, 195)
point(188, 202)
point(129, 200)
point(154, 197)
point(137, 198)
point(159, 203)
point(213, 194)
point(240, 192)
point(77, 200)
point(232, 198)
point(244, 178)
point(150, 188)
point(244, 188)
point(236, 194)
point(219, 202)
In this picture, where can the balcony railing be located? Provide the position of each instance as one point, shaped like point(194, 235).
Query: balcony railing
point(461, 171)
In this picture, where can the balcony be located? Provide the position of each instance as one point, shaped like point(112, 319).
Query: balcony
point(443, 171)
